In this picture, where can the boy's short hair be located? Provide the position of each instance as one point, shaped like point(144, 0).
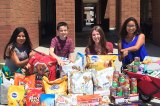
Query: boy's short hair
point(61, 24)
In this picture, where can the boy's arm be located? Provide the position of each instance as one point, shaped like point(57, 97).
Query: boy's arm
point(71, 57)
point(71, 51)
point(51, 53)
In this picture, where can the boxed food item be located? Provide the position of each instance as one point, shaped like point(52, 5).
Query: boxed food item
point(33, 96)
point(47, 99)
point(117, 99)
point(122, 99)
point(89, 100)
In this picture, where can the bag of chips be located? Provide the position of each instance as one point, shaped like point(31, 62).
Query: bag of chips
point(58, 86)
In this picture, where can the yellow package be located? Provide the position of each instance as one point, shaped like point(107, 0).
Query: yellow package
point(15, 95)
point(99, 62)
point(58, 86)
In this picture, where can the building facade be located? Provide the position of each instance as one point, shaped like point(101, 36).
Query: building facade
point(40, 17)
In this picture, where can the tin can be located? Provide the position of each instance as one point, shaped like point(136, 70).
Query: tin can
point(134, 86)
point(127, 81)
point(129, 67)
point(121, 78)
point(115, 76)
point(119, 91)
point(114, 84)
point(135, 68)
point(113, 91)
point(136, 61)
point(126, 92)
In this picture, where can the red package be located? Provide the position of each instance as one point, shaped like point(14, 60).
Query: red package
point(33, 97)
point(48, 60)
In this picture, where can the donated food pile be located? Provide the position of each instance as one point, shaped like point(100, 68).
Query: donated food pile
point(91, 80)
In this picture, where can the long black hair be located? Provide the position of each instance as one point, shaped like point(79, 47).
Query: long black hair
point(123, 32)
point(102, 40)
point(27, 44)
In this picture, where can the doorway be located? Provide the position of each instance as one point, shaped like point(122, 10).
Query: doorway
point(48, 22)
point(89, 13)
point(146, 18)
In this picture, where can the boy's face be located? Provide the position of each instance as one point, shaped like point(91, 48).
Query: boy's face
point(62, 32)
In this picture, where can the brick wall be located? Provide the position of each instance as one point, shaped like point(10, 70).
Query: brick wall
point(120, 10)
point(15, 13)
point(156, 21)
point(65, 11)
point(4, 24)
point(112, 13)
point(129, 8)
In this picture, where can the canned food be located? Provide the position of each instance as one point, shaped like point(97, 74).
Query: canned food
point(119, 91)
point(114, 84)
point(135, 68)
point(136, 61)
point(134, 86)
point(129, 67)
point(121, 78)
point(126, 92)
point(113, 91)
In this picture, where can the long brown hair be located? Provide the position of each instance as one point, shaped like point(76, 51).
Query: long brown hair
point(91, 43)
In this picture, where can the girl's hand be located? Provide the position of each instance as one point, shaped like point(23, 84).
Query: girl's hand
point(124, 53)
point(31, 54)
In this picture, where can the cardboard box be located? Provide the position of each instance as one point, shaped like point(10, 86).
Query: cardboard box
point(117, 99)
point(134, 97)
point(121, 100)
